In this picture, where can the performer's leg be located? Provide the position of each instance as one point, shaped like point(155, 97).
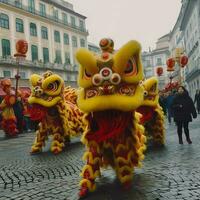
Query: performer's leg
point(91, 170)
point(124, 169)
point(58, 141)
point(41, 135)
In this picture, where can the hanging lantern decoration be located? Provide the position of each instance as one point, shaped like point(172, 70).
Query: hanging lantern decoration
point(183, 61)
point(170, 64)
point(21, 48)
point(159, 71)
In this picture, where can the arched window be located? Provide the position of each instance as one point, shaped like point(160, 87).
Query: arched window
point(33, 29)
point(4, 21)
point(5, 48)
point(19, 25)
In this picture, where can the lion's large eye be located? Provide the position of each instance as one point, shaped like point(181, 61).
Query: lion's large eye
point(53, 86)
point(87, 74)
point(131, 67)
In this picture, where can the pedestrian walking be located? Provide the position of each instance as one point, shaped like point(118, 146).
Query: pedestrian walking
point(162, 102)
point(197, 100)
point(169, 101)
point(183, 109)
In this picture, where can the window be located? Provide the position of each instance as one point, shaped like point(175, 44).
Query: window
point(81, 24)
point(34, 52)
point(82, 41)
point(22, 75)
point(5, 47)
point(67, 58)
point(57, 36)
point(44, 32)
point(55, 14)
point(64, 18)
point(66, 38)
point(42, 10)
point(45, 55)
point(33, 29)
point(58, 58)
point(4, 21)
point(18, 3)
point(31, 6)
point(73, 22)
point(74, 41)
point(19, 25)
point(6, 74)
point(159, 61)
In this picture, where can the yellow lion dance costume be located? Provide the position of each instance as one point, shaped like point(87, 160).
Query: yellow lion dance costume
point(55, 108)
point(109, 95)
point(152, 114)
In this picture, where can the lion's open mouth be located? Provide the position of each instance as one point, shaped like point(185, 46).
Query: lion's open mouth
point(108, 124)
point(151, 98)
point(37, 112)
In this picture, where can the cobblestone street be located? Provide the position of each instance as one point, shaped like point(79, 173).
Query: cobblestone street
point(169, 173)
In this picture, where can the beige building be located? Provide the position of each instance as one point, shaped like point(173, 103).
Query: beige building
point(190, 26)
point(53, 31)
point(157, 58)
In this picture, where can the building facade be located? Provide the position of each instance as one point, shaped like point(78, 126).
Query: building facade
point(94, 48)
point(53, 31)
point(177, 46)
point(157, 58)
point(190, 25)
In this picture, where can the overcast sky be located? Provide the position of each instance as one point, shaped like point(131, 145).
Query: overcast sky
point(143, 20)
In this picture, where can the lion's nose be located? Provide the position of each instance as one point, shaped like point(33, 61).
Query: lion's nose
point(38, 91)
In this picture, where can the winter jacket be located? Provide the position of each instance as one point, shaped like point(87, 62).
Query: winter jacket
point(183, 107)
point(197, 99)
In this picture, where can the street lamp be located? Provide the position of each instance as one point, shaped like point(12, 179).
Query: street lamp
point(21, 48)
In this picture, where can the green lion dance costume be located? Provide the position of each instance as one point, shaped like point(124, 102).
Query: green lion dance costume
point(152, 114)
point(110, 93)
point(55, 108)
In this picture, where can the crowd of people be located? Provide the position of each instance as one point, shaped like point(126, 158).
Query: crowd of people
point(177, 104)
point(21, 112)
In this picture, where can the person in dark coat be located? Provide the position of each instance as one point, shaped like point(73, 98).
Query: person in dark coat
point(183, 107)
point(197, 100)
point(18, 110)
point(169, 101)
point(162, 102)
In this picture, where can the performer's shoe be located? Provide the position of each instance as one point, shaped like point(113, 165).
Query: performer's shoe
point(127, 185)
point(83, 192)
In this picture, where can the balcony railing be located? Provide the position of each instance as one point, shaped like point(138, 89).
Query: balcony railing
point(46, 16)
point(39, 64)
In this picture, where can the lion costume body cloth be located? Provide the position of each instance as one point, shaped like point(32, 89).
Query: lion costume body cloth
point(55, 108)
point(152, 113)
point(109, 95)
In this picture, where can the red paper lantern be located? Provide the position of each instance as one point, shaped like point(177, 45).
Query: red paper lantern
point(183, 60)
point(159, 71)
point(170, 64)
point(22, 46)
